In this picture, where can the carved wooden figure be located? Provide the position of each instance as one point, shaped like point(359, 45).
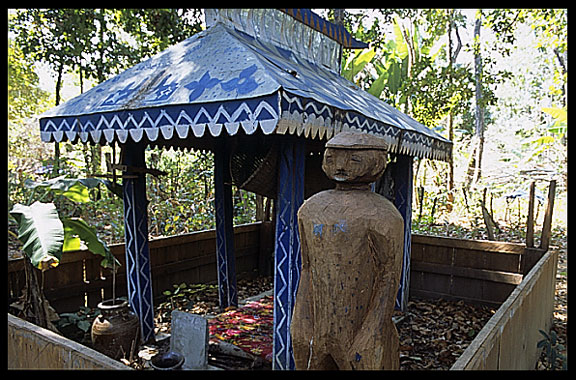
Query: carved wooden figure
point(352, 242)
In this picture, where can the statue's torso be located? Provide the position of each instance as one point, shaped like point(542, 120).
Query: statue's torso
point(345, 265)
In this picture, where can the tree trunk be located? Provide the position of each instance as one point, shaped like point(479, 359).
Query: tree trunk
point(452, 58)
point(36, 308)
point(474, 172)
point(56, 166)
point(479, 130)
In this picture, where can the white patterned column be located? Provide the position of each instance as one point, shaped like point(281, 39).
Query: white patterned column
point(287, 257)
point(138, 272)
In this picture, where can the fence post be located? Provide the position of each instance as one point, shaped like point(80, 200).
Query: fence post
point(530, 219)
point(547, 226)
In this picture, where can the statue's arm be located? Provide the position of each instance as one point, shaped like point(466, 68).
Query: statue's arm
point(387, 246)
point(304, 286)
point(302, 325)
point(387, 250)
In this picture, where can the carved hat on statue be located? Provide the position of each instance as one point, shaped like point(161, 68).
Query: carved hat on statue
point(357, 140)
point(355, 157)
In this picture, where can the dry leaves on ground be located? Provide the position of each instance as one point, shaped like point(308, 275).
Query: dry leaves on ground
point(434, 333)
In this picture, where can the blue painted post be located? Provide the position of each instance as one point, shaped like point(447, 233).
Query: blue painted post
point(287, 257)
point(224, 228)
point(136, 238)
point(402, 175)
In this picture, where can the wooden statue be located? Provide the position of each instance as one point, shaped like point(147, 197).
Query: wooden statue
point(352, 242)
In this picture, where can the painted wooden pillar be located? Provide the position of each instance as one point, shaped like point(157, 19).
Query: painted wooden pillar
point(224, 228)
point(402, 175)
point(287, 256)
point(138, 272)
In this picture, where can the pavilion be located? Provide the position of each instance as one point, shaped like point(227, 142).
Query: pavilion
point(261, 88)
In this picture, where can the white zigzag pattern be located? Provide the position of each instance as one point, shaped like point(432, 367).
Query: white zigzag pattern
point(113, 127)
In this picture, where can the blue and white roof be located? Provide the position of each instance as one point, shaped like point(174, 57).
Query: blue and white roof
point(223, 80)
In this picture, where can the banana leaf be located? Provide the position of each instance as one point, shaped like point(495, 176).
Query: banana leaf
point(357, 62)
point(77, 227)
point(75, 189)
point(41, 233)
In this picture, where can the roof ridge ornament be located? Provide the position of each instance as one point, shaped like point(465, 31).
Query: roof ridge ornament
point(300, 31)
point(336, 32)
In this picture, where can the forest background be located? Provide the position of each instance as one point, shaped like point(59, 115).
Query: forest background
point(494, 81)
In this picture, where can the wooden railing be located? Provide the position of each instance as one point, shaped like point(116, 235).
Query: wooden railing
point(476, 271)
point(190, 258)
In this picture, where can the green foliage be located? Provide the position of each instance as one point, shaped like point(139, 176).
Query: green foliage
point(552, 348)
point(560, 125)
point(405, 72)
point(356, 63)
point(75, 189)
point(41, 233)
point(25, 98)
point(76, 229)
point(82, 319)
point(157, 29)
point(45, 235)
point(183, 200)
point(183, 295)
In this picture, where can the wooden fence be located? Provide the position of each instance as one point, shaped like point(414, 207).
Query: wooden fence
point(33, 347)
point(190, 258)
point(509, 339)
point(475, 271)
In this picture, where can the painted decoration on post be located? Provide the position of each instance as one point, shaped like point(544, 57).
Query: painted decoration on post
point(225, 258)
point(287, 260)
point(138, 272)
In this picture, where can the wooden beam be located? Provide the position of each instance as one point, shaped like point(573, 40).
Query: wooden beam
point(480, 245)
point(530, 219)
point(480, 274)
point(547, 226)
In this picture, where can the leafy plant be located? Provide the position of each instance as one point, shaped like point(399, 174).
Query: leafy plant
point(183, 294)
point(45, 235)
point(552, 349)
point(77, 325)
point(41, 232)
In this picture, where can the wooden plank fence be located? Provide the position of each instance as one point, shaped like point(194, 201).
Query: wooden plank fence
point(475, 271)
point(190, 258)
point(509, 339)
point(33, 347)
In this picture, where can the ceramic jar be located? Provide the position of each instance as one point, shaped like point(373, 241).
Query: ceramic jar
point(116, 331)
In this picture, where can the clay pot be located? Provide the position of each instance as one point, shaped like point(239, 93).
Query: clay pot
point(116, 331)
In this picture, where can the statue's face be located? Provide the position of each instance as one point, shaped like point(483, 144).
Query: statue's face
point(354, 165)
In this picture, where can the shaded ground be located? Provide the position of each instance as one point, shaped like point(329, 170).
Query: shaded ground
point(433, 333)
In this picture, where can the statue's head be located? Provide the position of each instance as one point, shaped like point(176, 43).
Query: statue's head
point(353, 157)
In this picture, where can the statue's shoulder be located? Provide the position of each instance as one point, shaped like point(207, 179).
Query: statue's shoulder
point(317, 200)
